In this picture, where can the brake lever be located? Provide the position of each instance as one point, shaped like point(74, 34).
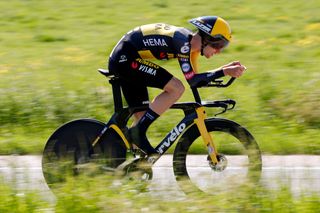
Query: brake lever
point(225, 105)
point(231, 102)
point(225, 108)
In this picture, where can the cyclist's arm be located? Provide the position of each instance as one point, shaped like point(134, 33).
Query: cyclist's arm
point(189, 66)
point(203, 79)
point(234, 69)
point(194, 61)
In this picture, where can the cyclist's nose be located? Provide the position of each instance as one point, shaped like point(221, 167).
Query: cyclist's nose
point(216, 50)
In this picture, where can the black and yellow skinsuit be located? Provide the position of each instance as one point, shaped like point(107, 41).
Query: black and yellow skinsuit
point(129, 59)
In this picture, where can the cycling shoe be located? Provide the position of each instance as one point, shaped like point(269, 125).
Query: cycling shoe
point(141, 141)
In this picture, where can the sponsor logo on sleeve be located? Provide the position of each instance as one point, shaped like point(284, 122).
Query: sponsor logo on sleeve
point(185, 49)
point(185, 67)
point(189, 75)
point(183, 59)
point(183, 56)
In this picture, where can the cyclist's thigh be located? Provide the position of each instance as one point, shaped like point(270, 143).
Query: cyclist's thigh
point(150, 74)
point(140, 75)
point(137, 74)
point(135, 94)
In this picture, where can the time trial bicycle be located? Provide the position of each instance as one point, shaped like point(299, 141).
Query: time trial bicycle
point(229, 150)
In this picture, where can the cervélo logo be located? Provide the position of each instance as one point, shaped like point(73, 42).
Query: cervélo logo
point(172, 137)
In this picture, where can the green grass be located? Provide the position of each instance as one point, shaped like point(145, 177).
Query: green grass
point(97, 194)
point(50, 50)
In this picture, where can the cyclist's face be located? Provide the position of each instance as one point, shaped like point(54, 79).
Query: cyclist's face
point(209, 51)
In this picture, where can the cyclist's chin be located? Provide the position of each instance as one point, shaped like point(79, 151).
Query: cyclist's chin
point(208, 55)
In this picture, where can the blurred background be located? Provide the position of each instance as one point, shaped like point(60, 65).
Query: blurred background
point(50, 51)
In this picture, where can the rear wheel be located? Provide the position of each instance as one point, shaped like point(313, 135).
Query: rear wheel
point(69, 150)
point(239, 158)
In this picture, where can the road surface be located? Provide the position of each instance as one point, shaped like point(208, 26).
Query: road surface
point(301, 173)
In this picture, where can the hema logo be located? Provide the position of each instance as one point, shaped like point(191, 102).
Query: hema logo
point(154, 42)
point(172, 137)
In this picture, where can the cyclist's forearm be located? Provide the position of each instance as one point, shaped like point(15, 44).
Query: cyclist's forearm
point(217, 74)
point(203, 79)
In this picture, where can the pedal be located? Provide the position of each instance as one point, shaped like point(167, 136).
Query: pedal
point(137, 152)
point(136, 168)
point(121, 168)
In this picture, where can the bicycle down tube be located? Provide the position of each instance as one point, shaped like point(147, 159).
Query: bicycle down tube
point(174, 134)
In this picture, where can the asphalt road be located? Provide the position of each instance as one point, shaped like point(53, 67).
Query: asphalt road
point(301, 173)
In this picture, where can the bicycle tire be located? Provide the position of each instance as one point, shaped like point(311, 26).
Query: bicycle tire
point(70, 147)
point(229, 130)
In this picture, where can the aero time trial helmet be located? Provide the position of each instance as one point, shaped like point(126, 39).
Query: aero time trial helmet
point(213, 30)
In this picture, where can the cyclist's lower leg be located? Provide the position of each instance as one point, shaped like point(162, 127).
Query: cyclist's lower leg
point(138, 132)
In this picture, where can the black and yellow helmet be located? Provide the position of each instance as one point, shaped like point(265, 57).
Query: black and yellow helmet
point(213, 29)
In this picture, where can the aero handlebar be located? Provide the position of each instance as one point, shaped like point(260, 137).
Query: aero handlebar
point(219, 83)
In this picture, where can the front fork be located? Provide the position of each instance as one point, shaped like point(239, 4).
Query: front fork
point(207, 139)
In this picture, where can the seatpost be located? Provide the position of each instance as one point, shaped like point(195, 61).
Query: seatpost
point(116, 90)
point(196, 95)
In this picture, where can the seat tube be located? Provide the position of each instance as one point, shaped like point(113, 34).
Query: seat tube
point(206, 137)
point(117, 97)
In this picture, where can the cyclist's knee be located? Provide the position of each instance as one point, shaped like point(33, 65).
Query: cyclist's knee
point(175, 86)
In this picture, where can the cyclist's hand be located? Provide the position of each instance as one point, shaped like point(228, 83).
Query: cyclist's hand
point(234, 70)
point(231, 64)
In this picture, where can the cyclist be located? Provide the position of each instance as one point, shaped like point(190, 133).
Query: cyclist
point(130, 61)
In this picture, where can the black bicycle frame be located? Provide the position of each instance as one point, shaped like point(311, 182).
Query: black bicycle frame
point(122, 114)
point(120, 118)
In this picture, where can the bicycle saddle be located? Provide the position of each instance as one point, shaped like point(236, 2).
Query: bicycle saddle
point(105, 72)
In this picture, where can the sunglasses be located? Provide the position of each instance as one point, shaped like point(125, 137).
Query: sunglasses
point(218, 42)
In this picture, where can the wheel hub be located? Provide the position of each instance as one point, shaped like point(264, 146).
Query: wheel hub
point(221, 165)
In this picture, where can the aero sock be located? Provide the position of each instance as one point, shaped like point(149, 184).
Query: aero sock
point(147, 119)
point(141, 129)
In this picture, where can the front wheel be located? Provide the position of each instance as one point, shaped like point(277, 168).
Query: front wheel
point(239, 158)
